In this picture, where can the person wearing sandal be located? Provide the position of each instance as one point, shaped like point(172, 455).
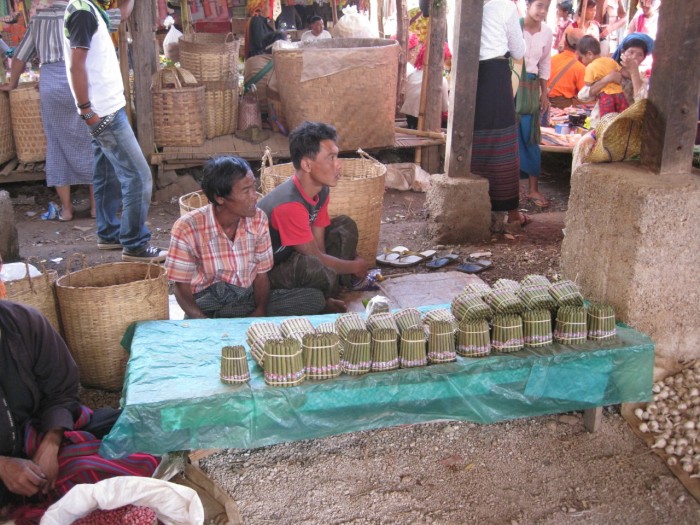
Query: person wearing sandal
point(68, 147)
point(532, 101)
point(310, 249)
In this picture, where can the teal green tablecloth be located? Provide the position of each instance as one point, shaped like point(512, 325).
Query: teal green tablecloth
point(173, 399)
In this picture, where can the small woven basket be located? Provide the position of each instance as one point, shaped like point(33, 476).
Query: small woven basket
point(7, 143)
point(27, 127)
point(37, 292)
point(359, 195)
point(192, 201)
point(210, 57)
point(178, 108)
point(98, 304)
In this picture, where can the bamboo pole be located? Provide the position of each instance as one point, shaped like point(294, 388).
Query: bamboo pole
point(421, 133)
point(334, 9)
point(423, 94)
point(402, 38)
point(124, 67)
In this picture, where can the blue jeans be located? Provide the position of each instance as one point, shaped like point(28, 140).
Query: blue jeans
point(121, 175)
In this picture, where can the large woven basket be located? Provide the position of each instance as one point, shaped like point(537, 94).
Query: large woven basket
point(37, 292)
point(355, 90)
point(27, 128)
point(359, 195)
point(210, 57)
point(178, 108)
point(7, 143)
point(221, 107)
point(98, 304)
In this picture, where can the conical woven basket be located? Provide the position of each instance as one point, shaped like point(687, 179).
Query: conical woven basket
point(359, 195)
point(27, 127)
point(98, 304)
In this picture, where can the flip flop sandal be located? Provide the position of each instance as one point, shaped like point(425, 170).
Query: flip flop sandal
point(539, 203)
point(441, 262)
point(474, 266)
point(400, 256)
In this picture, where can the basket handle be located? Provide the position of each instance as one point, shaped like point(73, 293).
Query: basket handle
point(364, 155)
point(176, 76)
point(229, 34)
point(148, 271)
point(267, 161)
point(43, 271)
point(72, 258)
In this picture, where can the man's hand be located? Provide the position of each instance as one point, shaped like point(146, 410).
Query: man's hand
point(544, 102)
point(21, 476)
point(46, 457)
point(360, 267)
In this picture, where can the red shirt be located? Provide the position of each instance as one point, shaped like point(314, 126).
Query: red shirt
point(291, 219)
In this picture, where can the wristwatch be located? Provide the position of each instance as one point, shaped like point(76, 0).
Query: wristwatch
point(88, 115)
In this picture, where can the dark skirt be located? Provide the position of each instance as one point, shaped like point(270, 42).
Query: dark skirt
point(495, 146)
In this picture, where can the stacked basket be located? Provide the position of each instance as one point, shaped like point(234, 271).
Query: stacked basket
point(212, 59)
point(177, 108)
point(359, 195)
point(27, 128)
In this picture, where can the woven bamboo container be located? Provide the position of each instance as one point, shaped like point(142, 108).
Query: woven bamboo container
point(27, 127)
point(37, 292)
point(178, 108)
point(192, 201)
point(97, 305)
point(7, 143)
point(359, 195)
point(210, 57)
point(354, 89)
point(221, 106)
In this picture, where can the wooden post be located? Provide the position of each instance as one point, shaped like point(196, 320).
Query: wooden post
point(402, 38)
point(465, 67)
point(380, 18)
point(334, 9)
point(143, 28)
point(668, 130)
point(124, 68)
point(430, 156)
point(592, 418)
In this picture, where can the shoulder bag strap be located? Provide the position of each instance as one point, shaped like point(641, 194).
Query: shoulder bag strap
point(561, 74)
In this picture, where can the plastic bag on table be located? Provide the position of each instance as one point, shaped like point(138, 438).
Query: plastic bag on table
point(174, 504)
point(377, 304)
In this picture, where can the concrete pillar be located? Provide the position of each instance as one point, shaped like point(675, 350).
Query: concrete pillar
point(9, 242)
point(633, 240)
point(459, 209)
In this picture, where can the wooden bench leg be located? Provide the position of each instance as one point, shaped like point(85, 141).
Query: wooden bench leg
point(592, 418)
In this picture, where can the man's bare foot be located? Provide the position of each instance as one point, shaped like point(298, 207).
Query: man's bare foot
point(335, 306)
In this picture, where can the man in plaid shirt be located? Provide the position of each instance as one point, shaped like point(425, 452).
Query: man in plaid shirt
point(220, 255)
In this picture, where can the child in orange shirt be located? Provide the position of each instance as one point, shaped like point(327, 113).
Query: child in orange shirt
point(611, 98)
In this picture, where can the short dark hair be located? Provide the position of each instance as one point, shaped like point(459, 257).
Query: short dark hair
point(566, 6)
point(588, 43)
point(313, 19)
point(305, 140)
point(220, 174)
point(589, 4)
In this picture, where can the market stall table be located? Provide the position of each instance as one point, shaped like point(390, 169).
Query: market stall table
point(173, 399)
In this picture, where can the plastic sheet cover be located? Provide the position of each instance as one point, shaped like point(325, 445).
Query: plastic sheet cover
point(173, 398)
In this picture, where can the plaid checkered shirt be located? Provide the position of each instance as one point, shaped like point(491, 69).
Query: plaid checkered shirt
point(201, 254)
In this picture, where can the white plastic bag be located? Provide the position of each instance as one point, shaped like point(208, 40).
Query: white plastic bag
point(354, 25)
point(171, 42)
point(174, 504)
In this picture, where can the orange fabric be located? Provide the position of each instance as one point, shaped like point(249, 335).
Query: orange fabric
point(3, 291)
point(600, 67)
point(571, 81)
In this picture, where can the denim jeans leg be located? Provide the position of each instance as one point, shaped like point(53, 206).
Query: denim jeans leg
point(107, 196)
point(121, 149)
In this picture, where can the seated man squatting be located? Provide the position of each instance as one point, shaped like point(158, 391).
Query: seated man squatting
point(220, 255)
point(310, 249)
point(48, 441)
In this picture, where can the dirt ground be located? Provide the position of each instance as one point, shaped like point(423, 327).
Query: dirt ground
point(545, 470)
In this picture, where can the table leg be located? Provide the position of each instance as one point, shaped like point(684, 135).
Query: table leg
point(592, 418)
